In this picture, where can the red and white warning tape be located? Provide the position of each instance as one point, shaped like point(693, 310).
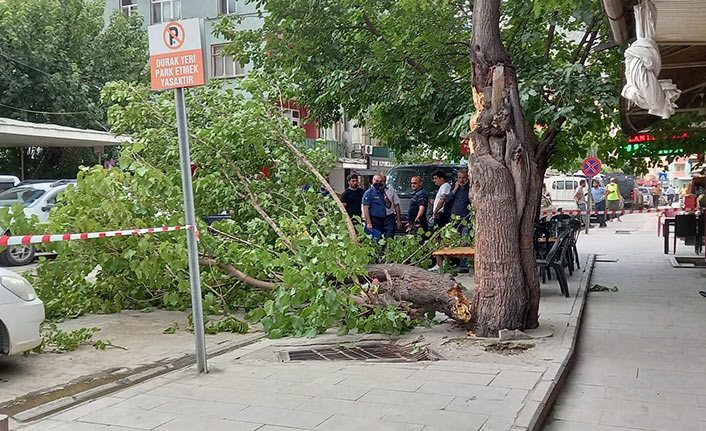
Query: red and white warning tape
point(613, 212)
point(36, 239)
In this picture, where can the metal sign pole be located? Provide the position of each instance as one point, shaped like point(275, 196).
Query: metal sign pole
point(194, 275)
point(589, 204)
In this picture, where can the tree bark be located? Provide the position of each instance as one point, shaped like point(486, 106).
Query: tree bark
point(504, 186)
point(418, 291)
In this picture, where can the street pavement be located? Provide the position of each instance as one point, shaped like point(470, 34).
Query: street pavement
point(641, 351)
point(137, 342)
point(639, 366)
point(251, 389)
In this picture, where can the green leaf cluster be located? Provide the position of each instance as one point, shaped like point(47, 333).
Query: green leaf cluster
point(403, 67)
point(279, 231)
point(60, 341)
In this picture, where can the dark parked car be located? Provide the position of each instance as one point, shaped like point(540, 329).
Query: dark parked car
point(400, 178)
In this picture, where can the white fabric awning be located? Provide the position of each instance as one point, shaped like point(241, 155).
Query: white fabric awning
point(643, 65)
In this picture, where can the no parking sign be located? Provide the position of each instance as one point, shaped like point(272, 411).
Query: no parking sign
point(591, 166)
point(176, 59)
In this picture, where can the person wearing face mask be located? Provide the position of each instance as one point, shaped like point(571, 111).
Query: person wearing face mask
point(375, 205)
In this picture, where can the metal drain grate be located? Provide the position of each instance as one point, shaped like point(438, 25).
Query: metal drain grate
point(369, 352)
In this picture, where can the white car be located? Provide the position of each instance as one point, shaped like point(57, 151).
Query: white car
point(8, 182)
point(37, 197)
point(21, 314)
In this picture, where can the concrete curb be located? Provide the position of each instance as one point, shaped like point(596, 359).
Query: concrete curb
point(542, 397)
point(137, 376)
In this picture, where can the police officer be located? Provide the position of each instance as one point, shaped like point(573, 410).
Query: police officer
point(375, 205)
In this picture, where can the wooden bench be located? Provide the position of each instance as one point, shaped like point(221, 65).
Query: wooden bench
point(457, 252)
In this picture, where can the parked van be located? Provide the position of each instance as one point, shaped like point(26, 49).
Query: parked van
point(562, 189)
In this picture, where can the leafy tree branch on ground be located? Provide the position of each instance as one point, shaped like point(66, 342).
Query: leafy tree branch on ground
point(525, 73)
point(286, 256)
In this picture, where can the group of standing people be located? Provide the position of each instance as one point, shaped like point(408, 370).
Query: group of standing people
point(379, 206)
point(604, 199)
point(670, 193)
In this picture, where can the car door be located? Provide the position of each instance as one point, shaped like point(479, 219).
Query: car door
point(47, 204)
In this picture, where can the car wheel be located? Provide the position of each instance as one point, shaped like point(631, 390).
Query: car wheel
point(18, 256)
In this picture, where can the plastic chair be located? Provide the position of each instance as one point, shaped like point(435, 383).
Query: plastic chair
point(667, 212)
point(555, 260)
point(541, 248)
point(573, 240)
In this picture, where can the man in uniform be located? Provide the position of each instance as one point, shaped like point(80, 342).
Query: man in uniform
point(375, 205)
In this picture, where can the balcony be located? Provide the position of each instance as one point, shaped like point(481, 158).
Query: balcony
point(336, 148)
point(333, 146)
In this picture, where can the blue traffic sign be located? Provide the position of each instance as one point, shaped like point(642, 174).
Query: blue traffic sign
point(591, 166)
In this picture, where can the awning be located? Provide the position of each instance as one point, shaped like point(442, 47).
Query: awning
point(14, 133)
point(680, 35)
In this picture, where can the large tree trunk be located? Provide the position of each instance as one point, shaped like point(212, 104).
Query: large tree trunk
point(417, 291)
point(504, 186)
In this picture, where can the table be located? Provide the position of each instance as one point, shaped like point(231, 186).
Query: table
point(457, 252)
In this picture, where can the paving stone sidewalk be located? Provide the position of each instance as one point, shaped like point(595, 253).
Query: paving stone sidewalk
point(449, 395)
point(250, 389)
point(641, 353)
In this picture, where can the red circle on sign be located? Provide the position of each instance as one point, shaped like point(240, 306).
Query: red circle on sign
point(591, 166)
point(173, 35)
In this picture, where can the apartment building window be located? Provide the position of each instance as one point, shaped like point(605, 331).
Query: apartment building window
point(227, 6)
point(292, 115)
point(165, 10)
point(127, 7)
point(223, 66)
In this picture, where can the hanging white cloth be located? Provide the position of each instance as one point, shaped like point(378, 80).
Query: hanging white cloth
point(643, 65)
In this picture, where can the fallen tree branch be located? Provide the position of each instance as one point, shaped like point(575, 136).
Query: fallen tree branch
point(241, 276)
point(255, 203)
point(419, 290)
point(349, 223)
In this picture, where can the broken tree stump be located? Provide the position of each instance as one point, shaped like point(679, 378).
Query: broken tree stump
point(418, 290)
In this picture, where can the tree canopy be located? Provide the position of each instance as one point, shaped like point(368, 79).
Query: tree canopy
point(403, 67)
point(55, 57)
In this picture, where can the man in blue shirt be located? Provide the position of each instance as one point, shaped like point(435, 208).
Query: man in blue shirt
point(375, 205)
point(417, 213)
point(598, 195)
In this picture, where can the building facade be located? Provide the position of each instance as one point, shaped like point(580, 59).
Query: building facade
point(355, 149)
point(216, 64)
